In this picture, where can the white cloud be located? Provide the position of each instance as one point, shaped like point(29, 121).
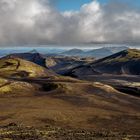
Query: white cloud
point(38, 22)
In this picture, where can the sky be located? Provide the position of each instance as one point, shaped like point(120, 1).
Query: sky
point(69, 22)
point(64, 5)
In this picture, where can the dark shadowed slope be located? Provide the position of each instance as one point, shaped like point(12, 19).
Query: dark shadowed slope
point(62, 65)
point(125, 62)
point(32, 56)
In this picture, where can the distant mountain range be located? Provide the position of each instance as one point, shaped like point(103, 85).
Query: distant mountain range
point(97, 53)
point(73, 52)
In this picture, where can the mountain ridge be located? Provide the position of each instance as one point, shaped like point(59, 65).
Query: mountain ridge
point(124, 62)
point(32, 56)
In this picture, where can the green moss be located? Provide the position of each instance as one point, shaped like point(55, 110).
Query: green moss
point(8, 87)
point(5, 90)
point(130, 54)
point(16, 67)
point(2, 81)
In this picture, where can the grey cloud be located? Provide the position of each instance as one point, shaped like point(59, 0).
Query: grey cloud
point(38, 22)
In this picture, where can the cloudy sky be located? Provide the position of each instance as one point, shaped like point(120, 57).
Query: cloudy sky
point(69, 21)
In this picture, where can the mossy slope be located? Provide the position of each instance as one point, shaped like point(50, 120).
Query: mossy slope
point(16, 67)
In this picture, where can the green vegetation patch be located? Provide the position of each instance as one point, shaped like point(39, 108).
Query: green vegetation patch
point(8, 64)
point(15, 87)
point(16, 67)
point(124, 56)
